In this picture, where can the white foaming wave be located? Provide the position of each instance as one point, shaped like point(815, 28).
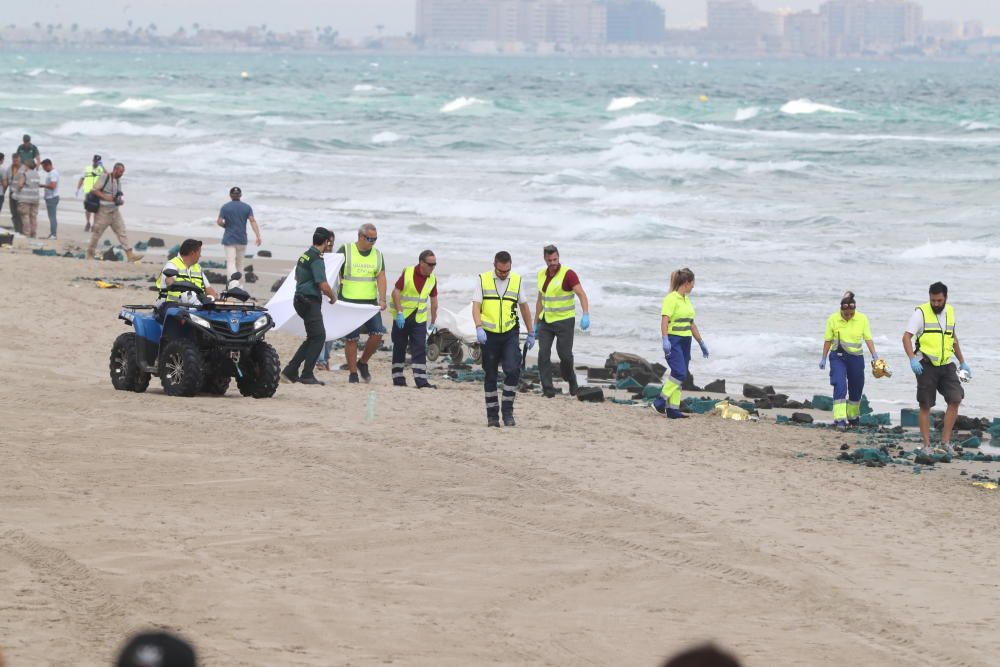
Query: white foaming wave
point(106, 128)
point(462, 103)
point(387, 138)
point(89, 103)
point(369, 88)
point(281, 121)
point(637, 120)
point(641, 199)
point(804, 106)
point(746, 114)
point(951, 250)
point(976, 126)
point(628, 156)
point(79, 90)
point(622, 103)
point(642, 139)
point(39, 70)
point(138, 104)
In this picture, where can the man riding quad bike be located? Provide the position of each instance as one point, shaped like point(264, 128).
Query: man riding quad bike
point(196, 344)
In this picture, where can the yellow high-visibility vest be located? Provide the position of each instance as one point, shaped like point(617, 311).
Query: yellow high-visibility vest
point(410, 299)
point(498, 312)
point(937, 345)
point(557, 303)
point(188, 274)
point(360, 274)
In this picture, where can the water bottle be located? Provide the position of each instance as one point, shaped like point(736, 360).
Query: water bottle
point(370, 410)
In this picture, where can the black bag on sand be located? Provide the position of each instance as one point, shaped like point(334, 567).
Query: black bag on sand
point(590, 394)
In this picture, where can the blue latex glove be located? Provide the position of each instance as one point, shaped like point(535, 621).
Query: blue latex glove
point(915, 365)
point(875, 356)
point(431, 328)
point(666, 346)
point(530, 341)
point(965, 367)
point(704, 348)
point(481, 335)
point(822, 363)
point(400, 320)
point(585, 321)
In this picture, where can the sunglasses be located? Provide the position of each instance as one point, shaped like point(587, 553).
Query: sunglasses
point(848, 306)
point(430, 264)
point(371, 239)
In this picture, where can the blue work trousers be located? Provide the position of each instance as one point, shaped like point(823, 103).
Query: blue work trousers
point(678, 360)
point(847, 375)
point(413, 335)
point(501, 351)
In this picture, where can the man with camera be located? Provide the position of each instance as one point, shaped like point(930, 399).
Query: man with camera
point(108, 191)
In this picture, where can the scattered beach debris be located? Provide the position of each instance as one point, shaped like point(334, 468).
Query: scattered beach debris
point(263, 253)
point(156, 242)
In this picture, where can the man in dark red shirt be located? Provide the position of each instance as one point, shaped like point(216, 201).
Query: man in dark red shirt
point(416, 286)
point(555, 319)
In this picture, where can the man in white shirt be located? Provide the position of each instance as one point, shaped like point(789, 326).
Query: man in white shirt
point(932, 325)
point(50, 185)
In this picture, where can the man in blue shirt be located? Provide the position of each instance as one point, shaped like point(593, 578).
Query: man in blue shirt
point(233, 218)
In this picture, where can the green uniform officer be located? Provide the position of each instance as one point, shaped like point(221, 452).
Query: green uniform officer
point(310, 286)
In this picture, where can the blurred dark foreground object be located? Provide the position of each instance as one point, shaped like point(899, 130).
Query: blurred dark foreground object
point(157, 649)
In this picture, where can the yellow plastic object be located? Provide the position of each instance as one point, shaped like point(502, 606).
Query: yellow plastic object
point(880, 369)
point(727, 410)
point(703, 98)
point(103, 284)
point(986, 485)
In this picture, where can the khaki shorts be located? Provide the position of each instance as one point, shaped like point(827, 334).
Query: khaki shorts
point(938, 379)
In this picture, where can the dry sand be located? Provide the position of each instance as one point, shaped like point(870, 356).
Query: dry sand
point(290, 532)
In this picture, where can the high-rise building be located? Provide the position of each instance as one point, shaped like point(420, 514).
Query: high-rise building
point(857, 26)
point(972, 30)
point(807, 34)
point(571, 22)
point(636, 21)
point(738, 26)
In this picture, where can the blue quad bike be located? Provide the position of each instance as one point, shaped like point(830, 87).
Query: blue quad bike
point(197, 345)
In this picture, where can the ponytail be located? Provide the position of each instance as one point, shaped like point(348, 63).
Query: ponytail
point(680, 277)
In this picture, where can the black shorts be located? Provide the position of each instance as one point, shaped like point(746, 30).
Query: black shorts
point(938, 379)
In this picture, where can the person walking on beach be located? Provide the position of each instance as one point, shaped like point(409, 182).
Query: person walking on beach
point(50, 186)
point(9, 179)
point(498, 296)
point(3, 181)
point(108, 189)
point(86, 183)
point(555, 319)
point(26, 195)
point(931, 359)
point(362, 280)
point(310, 287)
point(233, 217)
point(677, 327)
point(27, 150)
point(842, 345)
point(415, 287)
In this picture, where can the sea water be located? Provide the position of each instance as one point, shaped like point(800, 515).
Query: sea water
point(781, 184)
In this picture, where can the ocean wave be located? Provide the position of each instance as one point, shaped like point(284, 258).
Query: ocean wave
point(951, 250)
point(638, 159)
point(746, 114)
point(387, 138)
point(138, 104)
point(622, 103)
point(460, 103)
point(79, 90)
point(89, 103)
point(369, 88)
point(977, 126)
point(281, 121)
point(637, 120)
point(107, 128)
point(39, 70)
point(804, 106)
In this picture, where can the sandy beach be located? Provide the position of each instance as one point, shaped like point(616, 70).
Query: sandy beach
point(291, 532)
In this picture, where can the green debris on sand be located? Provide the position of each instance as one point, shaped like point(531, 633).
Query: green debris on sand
point(869, 456)
point(822, 403)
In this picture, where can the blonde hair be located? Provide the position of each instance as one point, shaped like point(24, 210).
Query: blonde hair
point(680, 277)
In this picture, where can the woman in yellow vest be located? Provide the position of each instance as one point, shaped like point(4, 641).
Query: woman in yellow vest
point(842, 344)
point(677, 328)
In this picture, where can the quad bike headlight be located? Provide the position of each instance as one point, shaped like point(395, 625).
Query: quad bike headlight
point(260, 323)
point(200, 321)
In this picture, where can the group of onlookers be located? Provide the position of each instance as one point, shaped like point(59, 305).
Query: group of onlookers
point(26, 187)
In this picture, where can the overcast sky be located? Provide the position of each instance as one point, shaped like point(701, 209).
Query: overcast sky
point(358, 18)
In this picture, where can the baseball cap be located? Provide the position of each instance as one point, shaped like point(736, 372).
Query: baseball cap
point(235, 190)
point(97, 158)
point(157, 649)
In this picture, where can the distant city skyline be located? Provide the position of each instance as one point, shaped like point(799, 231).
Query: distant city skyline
point(355, 20)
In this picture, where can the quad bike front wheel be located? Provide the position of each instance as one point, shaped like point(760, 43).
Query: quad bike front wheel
point(124, 365)
point(181, 368)
point(261, 370)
